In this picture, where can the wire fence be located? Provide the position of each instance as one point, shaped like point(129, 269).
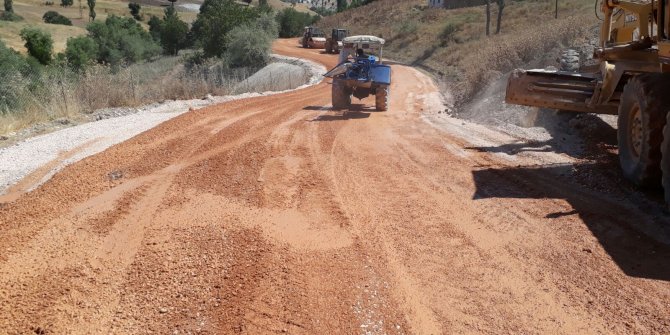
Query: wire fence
point(53, 91)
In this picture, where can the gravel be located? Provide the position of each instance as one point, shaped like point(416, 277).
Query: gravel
point(109, 127)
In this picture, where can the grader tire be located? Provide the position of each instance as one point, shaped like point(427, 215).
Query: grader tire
point(642, 117)
point(665, 161)
point(340, 95)
point(382, 99)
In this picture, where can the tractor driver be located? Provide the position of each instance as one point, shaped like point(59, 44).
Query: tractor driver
point(360, 53)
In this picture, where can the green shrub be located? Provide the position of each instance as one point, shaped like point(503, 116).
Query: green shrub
point(38, 43)
point(248, 46)
point(292, 23)
point(10, 16)
point(267, 23)
point(54, 17)
point(66, 3)
point(80, 52)
point(216, 19)
point(13, 71)
point(122, 40)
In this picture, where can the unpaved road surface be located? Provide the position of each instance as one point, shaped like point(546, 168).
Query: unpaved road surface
point(277, 215)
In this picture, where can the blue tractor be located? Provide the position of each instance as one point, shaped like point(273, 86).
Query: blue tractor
point(360, 73)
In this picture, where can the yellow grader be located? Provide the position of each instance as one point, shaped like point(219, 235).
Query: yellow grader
point(632, 81)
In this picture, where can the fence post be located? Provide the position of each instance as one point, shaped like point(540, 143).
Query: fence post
point(62, 92)
point(132, 87)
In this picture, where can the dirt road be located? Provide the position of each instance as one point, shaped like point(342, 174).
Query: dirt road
point(278, 215)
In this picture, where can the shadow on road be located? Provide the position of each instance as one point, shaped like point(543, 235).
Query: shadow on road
point(341, 116)
point(633, 229)
point(583, 136)
point(355, 111)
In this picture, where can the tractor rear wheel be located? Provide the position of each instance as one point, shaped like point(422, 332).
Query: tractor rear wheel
point(642, 117)
point(340, 95)
point(382, 98)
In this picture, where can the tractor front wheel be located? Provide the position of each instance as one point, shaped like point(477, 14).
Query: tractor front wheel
point(340, 95)
point(642, 117)
point(382, 98)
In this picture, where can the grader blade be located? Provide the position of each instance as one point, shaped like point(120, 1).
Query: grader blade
point(553, 89)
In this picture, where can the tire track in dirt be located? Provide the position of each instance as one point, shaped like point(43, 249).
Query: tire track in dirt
point(278, 215)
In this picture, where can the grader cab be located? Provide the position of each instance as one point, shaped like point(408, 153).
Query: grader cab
point(334, 42)
point(632, 82)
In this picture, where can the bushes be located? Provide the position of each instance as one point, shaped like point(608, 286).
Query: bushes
point(267, 23)
point(291, 22)
point(13, 66)
point(122, 40)
point(248, 46)
point(66, 3)
point(216, 19)
point(54, 18)
point(8, 14)
point(80, 52)
point(38, 43)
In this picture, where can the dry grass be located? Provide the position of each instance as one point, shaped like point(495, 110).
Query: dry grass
point(63, 94)
point(452, 44)
point(279, 5)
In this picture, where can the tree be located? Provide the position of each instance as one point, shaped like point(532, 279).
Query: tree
point(501, 6)
point(216, 19)
point(267, 23)
point(135, 10)
point(122, 40)
point(292, 22)
point(80, 52)
point(341, 5)
point(38, 43)
point(9, 6)
point(155, 27)
point(173, 33)
point(91, 9)
point(66, 3)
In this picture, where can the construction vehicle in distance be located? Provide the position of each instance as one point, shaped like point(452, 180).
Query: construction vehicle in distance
point(632, 82)
point(334, 42)
point(360, 73)
point(312, 37)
